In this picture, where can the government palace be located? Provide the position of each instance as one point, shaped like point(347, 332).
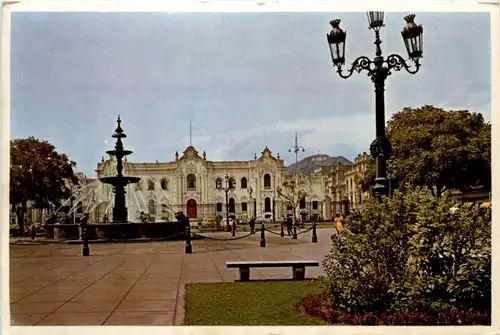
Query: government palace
point(188, 183)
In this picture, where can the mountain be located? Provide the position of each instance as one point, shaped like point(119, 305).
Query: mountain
point(312, 163)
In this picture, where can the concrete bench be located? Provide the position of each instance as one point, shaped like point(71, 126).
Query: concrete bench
point(298, 267)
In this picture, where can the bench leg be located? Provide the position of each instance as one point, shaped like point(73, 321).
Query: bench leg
point(299, 272)
point(244, 274)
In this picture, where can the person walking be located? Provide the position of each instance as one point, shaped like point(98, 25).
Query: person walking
point(252, 225)
point(289, 224)
point(235, 226)
point(338, 223)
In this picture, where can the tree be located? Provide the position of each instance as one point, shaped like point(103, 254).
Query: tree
point(441, 149)
point(39, 175)
point(291, 195)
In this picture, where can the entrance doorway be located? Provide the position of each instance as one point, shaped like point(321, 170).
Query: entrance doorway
point(191, 209)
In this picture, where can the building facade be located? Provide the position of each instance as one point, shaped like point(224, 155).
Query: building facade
point(188, 183)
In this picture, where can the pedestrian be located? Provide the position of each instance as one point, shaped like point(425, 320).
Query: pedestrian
point(338, 223)
point(252, 225)
point(235, 226)
point(289, 224)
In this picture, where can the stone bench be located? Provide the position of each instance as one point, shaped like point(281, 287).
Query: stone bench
point(298, 267)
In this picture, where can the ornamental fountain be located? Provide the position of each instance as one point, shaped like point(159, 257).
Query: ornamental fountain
point(120, 228)
point(119, 181)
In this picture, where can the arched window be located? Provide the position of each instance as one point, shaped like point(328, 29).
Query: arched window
point(152, 207)
point(267, 180)
point(218, 183)
point(243, 182)
point(315, 205)
point(232, 183)
point(231, 205)
point(151, 185)
point(267, 204)
point(302, 203)
point(164, 184)
point(191, 181)
point(218, 207)
point(244, 207)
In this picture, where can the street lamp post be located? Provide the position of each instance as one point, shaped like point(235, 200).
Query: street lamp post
point(378, 70)
point(228, 186)
point(296, 149)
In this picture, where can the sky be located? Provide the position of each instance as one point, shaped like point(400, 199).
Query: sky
point(245, 80)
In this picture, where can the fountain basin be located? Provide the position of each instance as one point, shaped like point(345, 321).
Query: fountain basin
point(174, 230)
point(122, 152)
point(120, 180)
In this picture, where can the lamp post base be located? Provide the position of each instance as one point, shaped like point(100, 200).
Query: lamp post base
point(380, 187)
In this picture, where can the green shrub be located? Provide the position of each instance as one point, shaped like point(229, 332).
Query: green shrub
point(411, 254)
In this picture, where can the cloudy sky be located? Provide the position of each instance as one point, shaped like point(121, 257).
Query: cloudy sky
point(246, 80)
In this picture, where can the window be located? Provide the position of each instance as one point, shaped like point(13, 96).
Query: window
point(243, 182)
point(191, 181)
point(152, 208)
point(218, 183)
point(164, 184)
point(267, 181)
point(231, 205)
point(151, 185)
point(267, 205)
point(218, 207)
point(315, 205)
point(302, 203)
point(289, 207)
point(243, 206)
point(232, 183)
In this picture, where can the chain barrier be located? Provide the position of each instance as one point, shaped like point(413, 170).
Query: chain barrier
point(305, 231)
point(272, 232)
point(222, 239)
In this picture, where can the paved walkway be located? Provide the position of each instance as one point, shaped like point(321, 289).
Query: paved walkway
point(136, 284)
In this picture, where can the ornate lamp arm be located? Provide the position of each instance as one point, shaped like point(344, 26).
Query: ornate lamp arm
point(396, 62)
point(361, 63)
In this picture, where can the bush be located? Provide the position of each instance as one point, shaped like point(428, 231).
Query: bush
point(411, 254)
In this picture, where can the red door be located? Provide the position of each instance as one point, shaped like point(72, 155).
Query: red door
point(191, 209)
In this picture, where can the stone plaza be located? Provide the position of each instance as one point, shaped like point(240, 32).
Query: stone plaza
point(138, 283)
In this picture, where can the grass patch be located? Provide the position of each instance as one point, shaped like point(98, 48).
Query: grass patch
point(269, 303)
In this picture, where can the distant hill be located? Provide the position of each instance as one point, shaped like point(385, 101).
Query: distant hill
point(311, 163)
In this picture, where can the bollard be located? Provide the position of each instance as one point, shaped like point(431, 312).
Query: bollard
point(188, 247)
point(85, 248)
point(314, 236)
point(262, 236)
point(233, 229)
point(294, 231)
point(33, 232)
point(282, 233)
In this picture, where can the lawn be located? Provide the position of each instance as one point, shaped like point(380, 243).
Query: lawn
point(269, 303)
